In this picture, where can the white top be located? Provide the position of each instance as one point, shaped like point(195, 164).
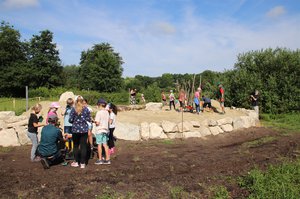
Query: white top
point(112, 117)
point(102, 117)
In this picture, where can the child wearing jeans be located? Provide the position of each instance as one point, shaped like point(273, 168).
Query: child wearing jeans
point(101, 120)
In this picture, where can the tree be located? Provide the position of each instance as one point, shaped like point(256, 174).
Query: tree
point(13, 66)
point(43, 58)
point(70, 75)
point(101, 69)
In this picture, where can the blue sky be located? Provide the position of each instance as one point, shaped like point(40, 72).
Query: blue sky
point(160, 36)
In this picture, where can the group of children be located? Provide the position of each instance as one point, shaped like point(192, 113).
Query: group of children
point(77, 132)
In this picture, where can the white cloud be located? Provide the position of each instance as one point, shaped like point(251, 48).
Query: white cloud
point(20, 3)
point(276, 12)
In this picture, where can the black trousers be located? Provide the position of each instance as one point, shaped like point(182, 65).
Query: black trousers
point(80, 147)
point(172, 102)
point(111, 139)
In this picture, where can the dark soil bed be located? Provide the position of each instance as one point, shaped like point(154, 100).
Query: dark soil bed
point(151, 169)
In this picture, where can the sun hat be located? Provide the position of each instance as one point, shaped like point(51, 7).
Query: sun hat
point(54, 105)
point(101, 101)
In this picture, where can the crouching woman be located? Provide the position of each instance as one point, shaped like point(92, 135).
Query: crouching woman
point(51, 143)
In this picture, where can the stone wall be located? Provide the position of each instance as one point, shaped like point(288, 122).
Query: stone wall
point(187, 129)
point(13, 129)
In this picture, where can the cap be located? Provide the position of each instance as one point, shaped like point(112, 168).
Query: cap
point(101, 101)
point(52, 117)
point(54, 105)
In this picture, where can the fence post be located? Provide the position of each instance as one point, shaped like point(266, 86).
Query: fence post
point(26, 88)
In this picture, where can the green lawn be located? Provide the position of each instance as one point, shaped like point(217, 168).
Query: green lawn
point(286, 123)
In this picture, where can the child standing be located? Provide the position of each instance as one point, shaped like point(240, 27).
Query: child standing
point(33, 124)
point(52, 110)
point(112, 125)
point(90, 124)
point(101, 120)
point(67, 124)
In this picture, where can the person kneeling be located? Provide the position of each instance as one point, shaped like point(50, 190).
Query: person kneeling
point(51, 140)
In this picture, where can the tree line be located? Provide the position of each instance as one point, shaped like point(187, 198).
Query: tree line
point(36, 63)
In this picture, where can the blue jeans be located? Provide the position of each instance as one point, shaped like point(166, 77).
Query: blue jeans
point(34, 140)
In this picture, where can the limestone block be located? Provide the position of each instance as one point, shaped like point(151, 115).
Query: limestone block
point(227, 127)
point(6, 114)
point(187, 126)
point(156, 131)
point(8, 137)
point(126, 131)
point(192, 134)
point(145, 130)
point(65, 96)
point(204, 131)
point(20, 123)
point(226, 120)
point(215, 130)
point(174, 135)
point(2, 125)
point(212, 123)
point(151, 106)
point(15, 119)
point(22, 135)
point(195, 124)
point(204, 122)
point(243, 122)
point(169, 127)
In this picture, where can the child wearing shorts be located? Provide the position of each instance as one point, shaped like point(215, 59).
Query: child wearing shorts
point(101, 120)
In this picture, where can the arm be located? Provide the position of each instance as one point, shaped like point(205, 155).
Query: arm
point(72, 115)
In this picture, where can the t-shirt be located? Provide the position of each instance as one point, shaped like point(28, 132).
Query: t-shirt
point(79, 122)
point(32, 119)
point(206, 100)
point(112, 117)
point(102, 117)
point(67, 116)
point(197, 94)
point(171, 96)
point(182, 96)
point(49, 138)
point(254, 102)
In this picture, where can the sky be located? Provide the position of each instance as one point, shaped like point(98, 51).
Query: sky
point(160, 36)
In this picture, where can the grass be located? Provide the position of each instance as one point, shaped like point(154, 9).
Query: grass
point(282, 181)
point(178, 192)
point(286, 123)
point(259, 142)
point(5, 149)
point(220, 192)
point(18, 104)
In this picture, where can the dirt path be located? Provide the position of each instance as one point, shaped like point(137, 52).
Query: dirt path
point(150, 169)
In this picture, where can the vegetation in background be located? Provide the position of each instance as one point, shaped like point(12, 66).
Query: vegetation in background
point(289, 121)
point(277, 182)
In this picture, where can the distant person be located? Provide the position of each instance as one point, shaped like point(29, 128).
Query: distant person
point(52, 142)
point(102, 131)
point(79, 117)
point(133, 96)
point(164, 98)
point(206, 102)
point(143, 98)
point(113, 111)
point(197, 99)
point(52, 110)
point(172, 99)
point(221, 97)
point(254, 101)
point(182, 98)
point(33, 123)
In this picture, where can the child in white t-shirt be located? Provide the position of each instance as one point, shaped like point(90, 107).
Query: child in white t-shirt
point(112, 125)
point(101, 120)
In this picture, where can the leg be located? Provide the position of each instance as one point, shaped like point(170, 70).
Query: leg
point(100, 151)
point(90, 138)
point(83, 147)
point(170, 104)
point(173, 104)
point(107, 157)
point(111, 142)
point(34, 140)
point(76, 139)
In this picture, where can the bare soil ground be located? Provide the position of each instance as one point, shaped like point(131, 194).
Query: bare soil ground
point(151, 169)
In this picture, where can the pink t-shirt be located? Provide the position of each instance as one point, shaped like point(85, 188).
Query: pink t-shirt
point(197, 94)
point(102, 117)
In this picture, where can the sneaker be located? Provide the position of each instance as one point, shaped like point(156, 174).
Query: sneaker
point(106, 162)
point(74, 164)
point(45, 163)
point(99, 162)
point(82, 166)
